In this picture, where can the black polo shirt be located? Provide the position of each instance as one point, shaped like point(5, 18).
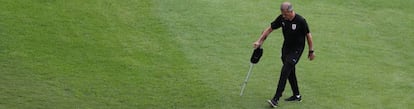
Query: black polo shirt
point(294, 31)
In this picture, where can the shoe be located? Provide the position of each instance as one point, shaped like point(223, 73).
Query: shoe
point(272, 103)
point(294, 98)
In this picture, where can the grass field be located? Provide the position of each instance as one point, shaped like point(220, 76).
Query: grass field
point(194, 54)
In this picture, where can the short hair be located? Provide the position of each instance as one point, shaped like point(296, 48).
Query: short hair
point(286, 6)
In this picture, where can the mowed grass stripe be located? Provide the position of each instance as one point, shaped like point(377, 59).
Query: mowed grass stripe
point(167, 78)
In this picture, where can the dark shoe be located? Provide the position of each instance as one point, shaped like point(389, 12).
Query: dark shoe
point(294, 98)
point(272, 103)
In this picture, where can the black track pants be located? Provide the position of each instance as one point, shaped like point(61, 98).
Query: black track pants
point(288, 72)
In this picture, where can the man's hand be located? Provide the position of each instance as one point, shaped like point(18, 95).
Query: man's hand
point(311, 55)
point(257, 44)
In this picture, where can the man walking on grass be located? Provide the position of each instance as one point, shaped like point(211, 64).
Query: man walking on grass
point(295, 30)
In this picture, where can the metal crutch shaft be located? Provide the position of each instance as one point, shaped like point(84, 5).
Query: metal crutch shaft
point(247, 79)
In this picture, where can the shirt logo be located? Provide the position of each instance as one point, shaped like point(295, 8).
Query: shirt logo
point(293, 26)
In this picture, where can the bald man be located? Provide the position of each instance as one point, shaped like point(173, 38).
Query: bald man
point(295, 32)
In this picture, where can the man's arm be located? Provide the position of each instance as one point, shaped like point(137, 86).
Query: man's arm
point(263, 37)
point(311, 54)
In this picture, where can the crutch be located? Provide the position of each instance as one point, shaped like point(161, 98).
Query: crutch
point(257, 53)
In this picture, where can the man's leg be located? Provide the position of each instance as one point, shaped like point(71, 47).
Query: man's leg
point(294, 85)
point(286, 70)
point(293, 82)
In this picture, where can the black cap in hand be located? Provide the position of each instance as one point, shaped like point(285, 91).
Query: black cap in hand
point(257, 53)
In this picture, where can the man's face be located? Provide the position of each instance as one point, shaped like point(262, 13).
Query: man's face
point(287, 14)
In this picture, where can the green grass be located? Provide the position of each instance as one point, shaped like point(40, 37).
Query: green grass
point(62, 54)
